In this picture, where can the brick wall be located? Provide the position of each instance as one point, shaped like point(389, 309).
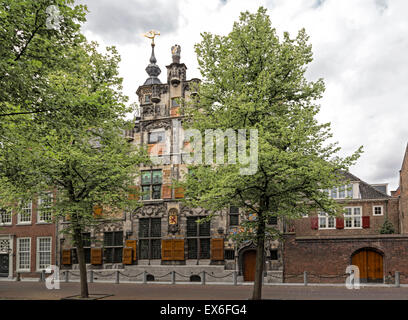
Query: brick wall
point(330, 256)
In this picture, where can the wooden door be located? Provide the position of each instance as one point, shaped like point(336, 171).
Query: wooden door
point(370, 264)
point(249, 258)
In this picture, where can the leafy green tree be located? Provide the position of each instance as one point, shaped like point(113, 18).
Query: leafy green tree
point(387, 227)
point(252, 79)
point(64, 131)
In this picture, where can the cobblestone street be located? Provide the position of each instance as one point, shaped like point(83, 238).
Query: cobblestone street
point(35, 290)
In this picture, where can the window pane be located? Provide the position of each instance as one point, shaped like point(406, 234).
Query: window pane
point(117, 255)
point(192, 248)
point(334, 193)
point(157, 176)
point(156, 248)
point(86, 239)
point(108, 239)
point(87, 252)
point(234, 220)
point(108, 255)
point(146, 177)
point(204, 229)
point(342, 192)
point(156, 227)
point(331, 222)
point(155, 137)
point(234, 209)
point(143, 228)
point(350, 190)
point(118, 238)
point(191, 227)
point(174, 102)
point(144, 249)
point(273, 220)
point(156, 194)
point(229, 254)
point(146, 193)
point(204, 248)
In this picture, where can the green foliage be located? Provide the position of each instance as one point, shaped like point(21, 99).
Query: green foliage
point(252, 79)
point(387, 227)
point(65, 133)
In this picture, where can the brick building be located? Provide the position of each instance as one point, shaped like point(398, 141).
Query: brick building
point(163, 235)
point(324, 246)
point(27, 238)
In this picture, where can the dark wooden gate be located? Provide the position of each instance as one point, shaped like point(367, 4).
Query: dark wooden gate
point(4, 265)
point(249, 258)
point(370, 264)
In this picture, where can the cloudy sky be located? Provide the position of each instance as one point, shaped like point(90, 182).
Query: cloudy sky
point(360, 49)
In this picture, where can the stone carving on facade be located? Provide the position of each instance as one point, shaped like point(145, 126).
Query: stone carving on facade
point(152, 210)
point(149, 125)
point(173, 220)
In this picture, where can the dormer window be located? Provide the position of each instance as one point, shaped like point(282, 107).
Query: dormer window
point(341, 192)
point(147, 98)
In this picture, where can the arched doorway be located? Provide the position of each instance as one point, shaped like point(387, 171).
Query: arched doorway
point(249, 262)
point(370, 263)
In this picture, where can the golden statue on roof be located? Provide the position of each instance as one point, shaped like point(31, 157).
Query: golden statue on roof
point(151, 35)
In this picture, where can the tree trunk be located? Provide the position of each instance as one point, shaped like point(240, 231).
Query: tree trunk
point(260, 253)
point(81, 262)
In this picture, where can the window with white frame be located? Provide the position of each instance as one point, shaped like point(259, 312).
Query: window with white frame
point(5, 216)
point(43, 252)
point(23, 254)
point(341, 192)
point(378, 210)
point(326, 221)
point(24, 216)
point(352, 218)
point(44, 208)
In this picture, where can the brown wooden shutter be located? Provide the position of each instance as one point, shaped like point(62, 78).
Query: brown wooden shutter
point(166, 191)
point(66, 256)
point(127, 256)
point(217, 249)
point(133, 193)
point(314, 222)
point(97, 211)
point(366, 221)
point(132, 244)
point(167, 249)
point(96, 256)
point(178, 249)
point(179, 193)
point(339, 223)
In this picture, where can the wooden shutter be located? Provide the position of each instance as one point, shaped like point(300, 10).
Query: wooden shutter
point(132, 244)
point(97, 211)
point(314, 222)
point(167, 250)
point(339, 223)
point(96, 256)
point(217, 249)
point(166, 191)
point(179, 193)
point(127, 256)
point(133, 193)
point(366, 221)
point(66, 256)
point(178, 249)
point(174, 111)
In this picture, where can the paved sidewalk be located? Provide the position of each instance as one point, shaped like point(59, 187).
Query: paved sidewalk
point(34, 290)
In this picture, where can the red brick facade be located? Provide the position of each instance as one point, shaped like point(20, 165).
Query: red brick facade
point(33, 230)
point(325, 253)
